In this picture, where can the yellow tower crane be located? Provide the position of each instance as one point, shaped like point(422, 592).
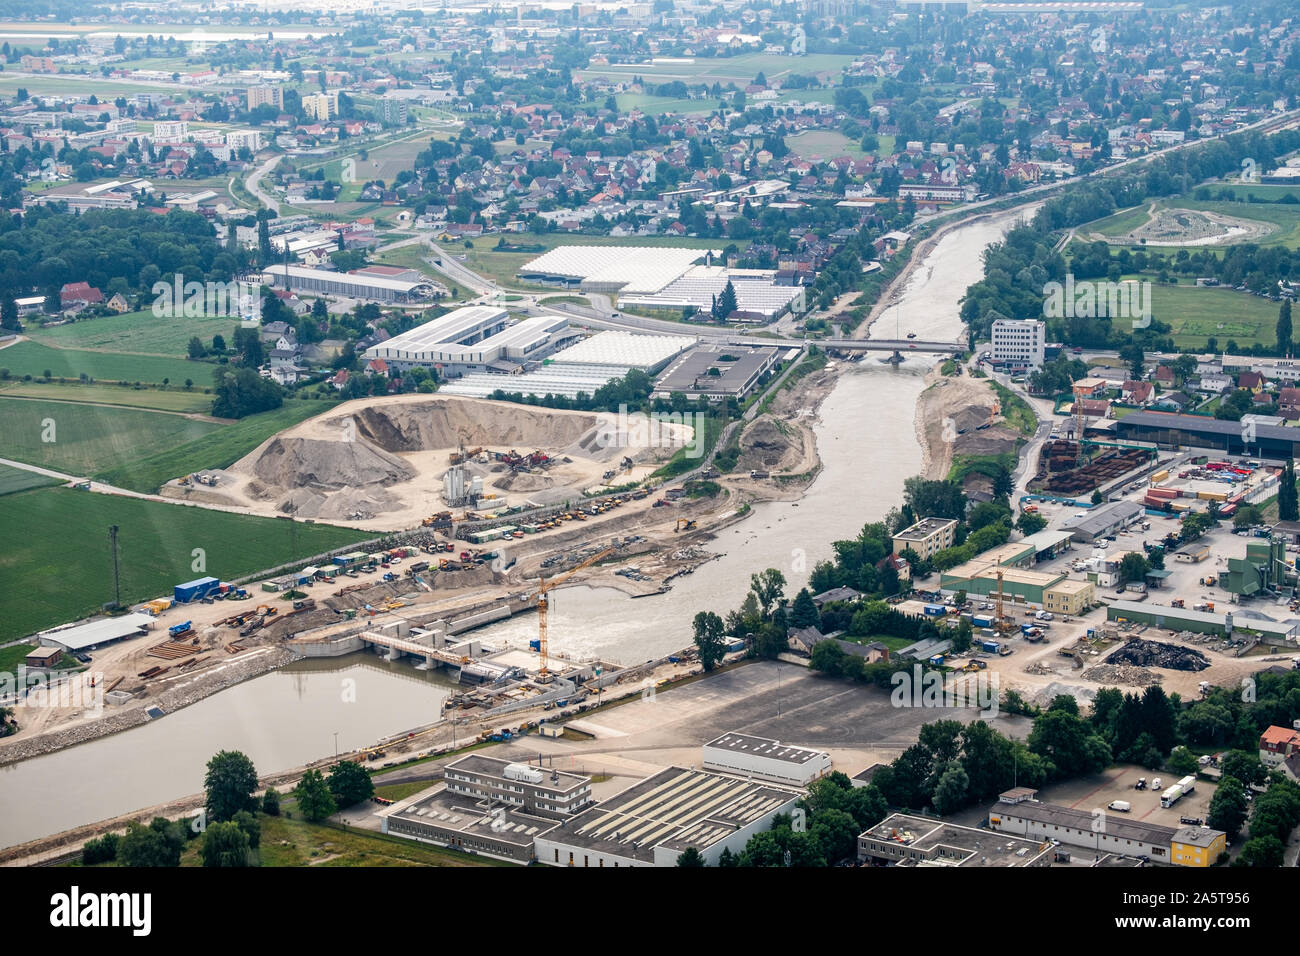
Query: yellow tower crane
point(544, 675)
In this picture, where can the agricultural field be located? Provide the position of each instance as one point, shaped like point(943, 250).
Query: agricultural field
point(88, 439)
point(172, 399)
point(660, 105)
point(818, 146)
point(56, 564)
point(220, 447)
point(34, 359)
point(139, 333)
point(383, 161)
point(17, 479)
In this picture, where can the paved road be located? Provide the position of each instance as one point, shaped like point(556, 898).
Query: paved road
point(254, 183)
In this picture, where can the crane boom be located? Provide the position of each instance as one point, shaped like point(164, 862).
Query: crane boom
point(543, 673)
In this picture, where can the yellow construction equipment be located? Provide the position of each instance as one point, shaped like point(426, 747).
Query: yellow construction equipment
point(687, 524)
point(543, 674)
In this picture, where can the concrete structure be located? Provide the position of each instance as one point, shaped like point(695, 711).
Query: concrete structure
point(346, 284)
point(1201, 622)
point(904, 839)
point(1022, 815)
point(78, 637)
point(1070, 597)
point(1019, 342)
point(1261, 570)
point(757, 293)
point(625, 270)
point(321, 106)
point(475, 827)
point(391, 111)
point(1103, 521)
point(927, 536)
point(653, 822)
point(267, 95)
point(748, 756)
point(716, 373)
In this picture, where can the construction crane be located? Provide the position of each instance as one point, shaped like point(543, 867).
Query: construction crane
point(543, 674)
point(1001, 624)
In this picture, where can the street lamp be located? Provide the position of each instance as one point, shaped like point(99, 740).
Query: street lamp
point(336, 746)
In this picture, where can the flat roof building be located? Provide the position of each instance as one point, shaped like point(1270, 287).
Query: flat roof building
point(1103, 521)
point(346, 284)
point(715, 373)
point(1200, 622)
point(539, 791)
point(78, 637)
point(927, 536)
point(749, 756)
point(1170, 429)
point(473, 339)
point(904, 839)
point(653, 822)
point(625, 270)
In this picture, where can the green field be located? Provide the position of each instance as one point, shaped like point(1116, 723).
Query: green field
point(172, 399)
point(662, 105)
point(89, 439)
point(56, 565)
point(817, 146)
point(140, 333)
point(17, 479)
point(33, 358)
point(1196, 314)
point(1285, 217)
point(217, 449)
point(412, 257)
point(740, 69)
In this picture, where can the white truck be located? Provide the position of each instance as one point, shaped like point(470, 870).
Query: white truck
point(1179, 790)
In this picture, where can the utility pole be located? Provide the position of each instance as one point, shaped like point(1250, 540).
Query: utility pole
point(117, 583)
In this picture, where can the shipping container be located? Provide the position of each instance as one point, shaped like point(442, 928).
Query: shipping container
point(991, 647)
point(981, 620)
point(195, 590)
point(1160, 476)
point(935, 610)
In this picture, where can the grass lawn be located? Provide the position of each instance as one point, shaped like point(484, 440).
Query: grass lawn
point(56, 564)
point(412, 257)
point(400, 791)
point(1285, 217)
point(295, 842)
point(141, 333)
point(217, 448)
point(90, 438)
point(817, 146)
point(660, 105)
point(173, 399)
point(12, 656)
point(1196, 314)
point(19, 479)
point(1016, 410)
point(33, 358)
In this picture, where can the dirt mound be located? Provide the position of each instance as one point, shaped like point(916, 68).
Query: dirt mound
point(769, 444)
point(524, 482)
point(1142, 653)
point(314, 463)
point(440, 423)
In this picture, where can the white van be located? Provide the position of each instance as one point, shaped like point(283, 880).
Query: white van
point(1120, 806)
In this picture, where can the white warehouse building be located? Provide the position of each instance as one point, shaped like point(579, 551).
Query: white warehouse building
point(473, 339)
point(765, 759)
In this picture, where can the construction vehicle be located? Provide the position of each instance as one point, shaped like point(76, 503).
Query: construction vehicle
point(177, 629)
point(375, 754)
point(1178, 602)
point(685, 524)
point(543, 673)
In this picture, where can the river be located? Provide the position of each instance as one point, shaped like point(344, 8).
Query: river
point(867, 441)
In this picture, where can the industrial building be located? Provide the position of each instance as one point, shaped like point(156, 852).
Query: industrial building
point(1263, 569)
point(625, 270)
point(473, 339)
point(716, 373)
point(1017, 812)
point(1070, 597)
point(748, 756)
point(927, 537)
point(1172, 430)
point(653, 822)
point(348, 285)
point(904, 839)
point(78, 637)
point(1103, 521)
point(1202, 622)
point(580, 368)
point(758, 296)
point(542, 792)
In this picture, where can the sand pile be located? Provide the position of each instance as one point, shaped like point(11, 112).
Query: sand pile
point(439, 423)
point(317, 463)
point(523, 481)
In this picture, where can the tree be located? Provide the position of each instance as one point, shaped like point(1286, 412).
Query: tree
point(1096, 497)
point(195, 348)
point(350, 784)
point(1228, 807)
point(1030, 522)
point(1182, 761)
point(229, 783)
point(804, 612)
point(709, 630)
point(1263, 852)
point(1288, 500)
point(836, 833)
point(1133, 567)
point(950, 793)
point(1284, 330)
point(158, 844)
point(725, 304)
point(9, 315)
point(241, 391)
point(768, 588)
point(313, 795)
point(271, 802)
point(226, 845)
point(691, 857)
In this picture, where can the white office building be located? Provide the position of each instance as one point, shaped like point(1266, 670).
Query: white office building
point(1019, 342)
point(745, 755)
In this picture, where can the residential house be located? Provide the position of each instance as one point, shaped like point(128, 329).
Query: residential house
point(76, 296)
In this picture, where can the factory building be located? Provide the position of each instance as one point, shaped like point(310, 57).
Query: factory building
point(78, 637)
point(716, 373)
point(535, 790)
point(348, 285)
point(758, 297)
point(1202, 622)
point(748, 756)
point(1103, 522)
point(1171, 430)
point(653, 822)
point(904, 839)
point(473, 339)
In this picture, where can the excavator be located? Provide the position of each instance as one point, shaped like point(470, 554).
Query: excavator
point(685, 524)
point(544, 674)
